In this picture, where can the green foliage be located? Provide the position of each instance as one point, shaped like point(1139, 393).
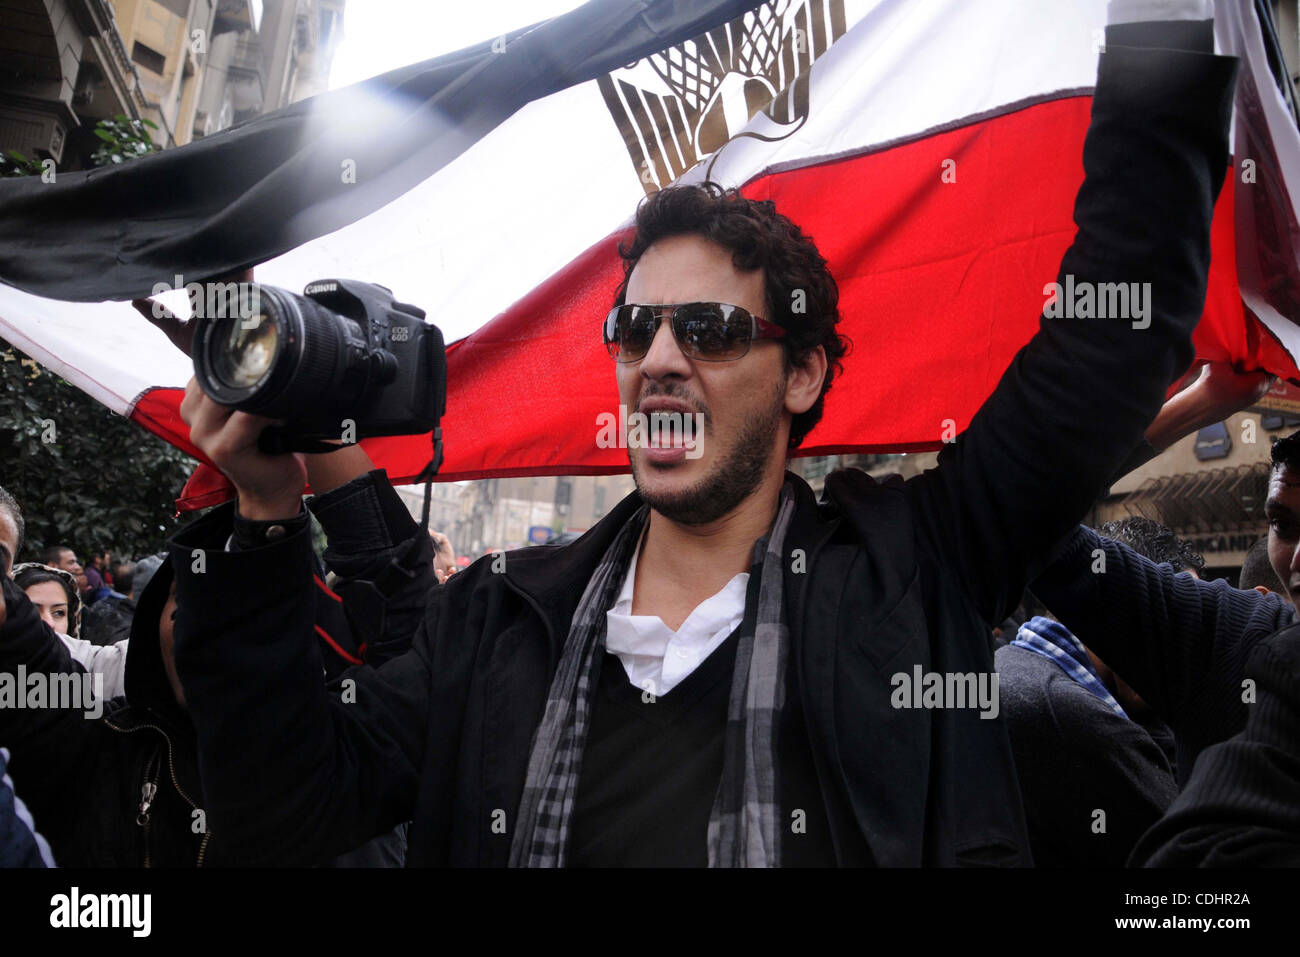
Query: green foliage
point(102, 484)
point(14, 163)
point(124, 139)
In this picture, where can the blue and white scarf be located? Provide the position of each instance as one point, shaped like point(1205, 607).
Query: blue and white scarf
point(1053, 640)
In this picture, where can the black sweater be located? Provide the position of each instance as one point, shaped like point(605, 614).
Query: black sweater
point(651, 769)
point(1241, 807)
point(1179, 642)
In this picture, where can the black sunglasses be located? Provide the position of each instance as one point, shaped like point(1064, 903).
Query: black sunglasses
point(710, 331)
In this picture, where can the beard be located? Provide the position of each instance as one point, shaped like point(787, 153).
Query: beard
point(733, 477)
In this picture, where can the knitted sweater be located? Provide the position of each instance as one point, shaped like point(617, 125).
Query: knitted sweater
point(1241, 807)
point(1179, 642)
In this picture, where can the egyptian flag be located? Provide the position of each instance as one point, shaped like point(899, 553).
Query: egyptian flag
point(932, 150)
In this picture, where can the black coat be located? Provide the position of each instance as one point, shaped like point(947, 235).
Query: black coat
point(1241, 807)
point(1179, 642)
point(893, 575)
point(120, 791)
point(1074, 757)
point(86, 781)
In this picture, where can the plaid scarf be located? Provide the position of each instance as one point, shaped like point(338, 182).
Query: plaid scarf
point(1053, 640)
point(744, 829)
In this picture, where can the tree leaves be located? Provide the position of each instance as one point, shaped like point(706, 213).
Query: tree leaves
point(14, 163)
point(124, 139)
point(105, 483)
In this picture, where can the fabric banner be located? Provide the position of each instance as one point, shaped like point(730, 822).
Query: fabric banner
point(932, 150)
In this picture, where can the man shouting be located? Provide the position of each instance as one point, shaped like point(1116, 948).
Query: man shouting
point(710, 676)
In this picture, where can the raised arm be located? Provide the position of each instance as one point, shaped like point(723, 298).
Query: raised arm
point(1179, 642)
point(383, 560)
point(1077, 398)
point(292, 773)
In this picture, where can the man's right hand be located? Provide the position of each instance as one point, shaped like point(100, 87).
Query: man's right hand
point(269, 486)
point(180, 331)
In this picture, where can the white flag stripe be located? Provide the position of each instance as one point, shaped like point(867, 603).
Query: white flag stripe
point(534, 193)
point(907, 68)
point(108, 350)
point(541, 188)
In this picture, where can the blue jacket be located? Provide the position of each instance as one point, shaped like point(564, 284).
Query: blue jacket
point(20, 844)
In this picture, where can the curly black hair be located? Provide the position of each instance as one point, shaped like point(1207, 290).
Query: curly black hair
point(802, 296)
point(1286, 452)
point(1154, 542)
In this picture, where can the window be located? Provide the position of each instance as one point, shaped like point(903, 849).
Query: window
point(148, 58)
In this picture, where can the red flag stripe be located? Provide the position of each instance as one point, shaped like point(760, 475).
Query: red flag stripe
point(941, 283)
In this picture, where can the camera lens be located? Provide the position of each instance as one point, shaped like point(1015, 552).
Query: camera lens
point(244, 357)
point(291, 358)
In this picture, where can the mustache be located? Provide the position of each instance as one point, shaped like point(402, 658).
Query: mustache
point(680, 394)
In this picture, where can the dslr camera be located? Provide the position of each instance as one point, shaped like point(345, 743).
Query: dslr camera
point(344, 360)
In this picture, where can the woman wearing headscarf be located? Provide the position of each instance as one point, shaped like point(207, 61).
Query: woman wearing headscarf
point(57, 599)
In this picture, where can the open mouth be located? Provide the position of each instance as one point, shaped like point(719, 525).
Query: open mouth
point(670, 431)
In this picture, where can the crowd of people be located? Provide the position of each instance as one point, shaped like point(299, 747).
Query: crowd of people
point(1084, 740)
point(725, 670)
point(137, 757)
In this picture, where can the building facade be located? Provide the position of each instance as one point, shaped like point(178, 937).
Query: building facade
point(191, 67)
point(491, 514)
point(1210, 487)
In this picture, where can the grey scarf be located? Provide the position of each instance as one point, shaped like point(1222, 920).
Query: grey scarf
point(744, 830)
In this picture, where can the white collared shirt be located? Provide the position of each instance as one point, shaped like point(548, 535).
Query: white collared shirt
point(655, 657)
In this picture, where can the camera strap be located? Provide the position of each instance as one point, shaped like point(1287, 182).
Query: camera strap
point(428, 473)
